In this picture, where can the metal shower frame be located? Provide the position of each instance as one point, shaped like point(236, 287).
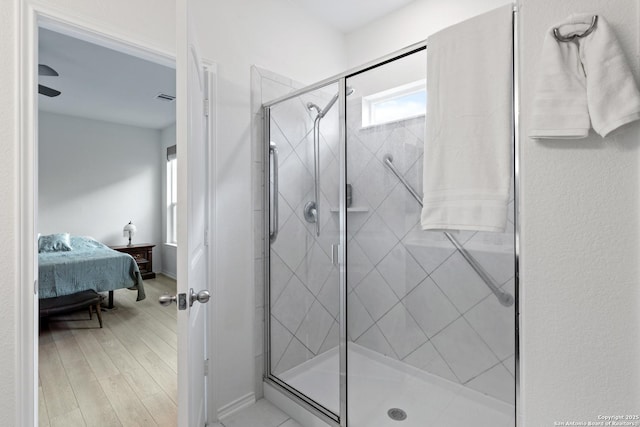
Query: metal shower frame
point(340, 420)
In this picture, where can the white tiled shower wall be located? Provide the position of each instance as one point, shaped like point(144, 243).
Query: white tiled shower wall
point(412, 297)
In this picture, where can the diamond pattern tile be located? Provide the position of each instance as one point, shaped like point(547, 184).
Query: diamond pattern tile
point(293, 304)
point(400, 211)
point(496, 382)
point(357, 158)
point(280, 339)
point(295, 354)
point(401, 271)
point(463, 349)
point(283, 145)
point(314, 269)
point(329, 295)
point(495, 324)
point(429, 248)
point(389, 256)
point(359, 265)
point(332, 339)
point(428, 359)
point(359, 319)
point(494, 251)
point(314, 327)
point(376, 295)
point(295, 181)
point(293, 242)
point(403, 146)
point(376, 239)
point(376, 182)
point(280, 276)
point(430, 307)
point(374, 340)
point(293, 119)
point(402, 332)
point(460, 283)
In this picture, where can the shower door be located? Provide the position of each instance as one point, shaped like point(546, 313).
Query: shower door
point(303, 299)
point(419, 324)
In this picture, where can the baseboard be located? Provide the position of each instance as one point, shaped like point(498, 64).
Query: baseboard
point(169, 275)
point(237, 405)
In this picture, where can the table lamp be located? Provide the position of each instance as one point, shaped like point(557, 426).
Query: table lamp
point(129, 231)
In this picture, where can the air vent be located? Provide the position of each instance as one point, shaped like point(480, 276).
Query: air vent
point(164, 97)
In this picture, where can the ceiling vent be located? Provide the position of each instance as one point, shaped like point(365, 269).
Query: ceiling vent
point(166, 98)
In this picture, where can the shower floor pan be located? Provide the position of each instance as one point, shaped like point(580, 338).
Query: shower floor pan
point(378, 384)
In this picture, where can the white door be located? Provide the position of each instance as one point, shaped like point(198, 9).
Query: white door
point(192, 222)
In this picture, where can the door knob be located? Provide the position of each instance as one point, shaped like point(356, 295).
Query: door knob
point(202, 297)
point(166, 300)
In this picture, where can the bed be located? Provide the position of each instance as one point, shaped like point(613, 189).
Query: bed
point(84, 263)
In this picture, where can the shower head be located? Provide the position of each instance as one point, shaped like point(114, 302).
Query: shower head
point(333, 101)
point(312, 106)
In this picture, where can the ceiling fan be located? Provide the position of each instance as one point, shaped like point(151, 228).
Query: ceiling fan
point(45, 70)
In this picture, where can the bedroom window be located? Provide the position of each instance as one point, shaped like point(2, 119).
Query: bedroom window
point(172, 195)
point(399, 103)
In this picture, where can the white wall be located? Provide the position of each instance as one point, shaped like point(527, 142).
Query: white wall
point(580, 279)
point(411, 24)
point(95, 176)
point(9, 193)
point(169, 251)
point(277, 35)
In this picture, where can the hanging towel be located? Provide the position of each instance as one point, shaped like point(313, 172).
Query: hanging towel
point(583, 83)
point(467, 157)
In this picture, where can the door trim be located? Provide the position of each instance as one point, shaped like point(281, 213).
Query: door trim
point(31, 16)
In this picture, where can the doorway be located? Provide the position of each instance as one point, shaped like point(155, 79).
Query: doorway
point(107, 148)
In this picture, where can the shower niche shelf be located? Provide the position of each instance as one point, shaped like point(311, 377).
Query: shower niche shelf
point(355, 209)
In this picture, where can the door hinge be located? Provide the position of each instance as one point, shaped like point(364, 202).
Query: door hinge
point(206, 107)
point(35, 287)
point(206, 367)
point(206, 237)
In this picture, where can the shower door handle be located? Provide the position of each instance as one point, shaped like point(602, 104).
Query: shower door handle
point(273, 152)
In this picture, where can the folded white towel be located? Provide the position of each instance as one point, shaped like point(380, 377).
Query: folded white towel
point(467, 158)
point(583, 83)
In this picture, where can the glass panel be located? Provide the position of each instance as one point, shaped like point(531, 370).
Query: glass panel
point(426, 337)
point(304, 283)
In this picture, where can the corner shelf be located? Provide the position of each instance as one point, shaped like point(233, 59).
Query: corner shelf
point(355, 209)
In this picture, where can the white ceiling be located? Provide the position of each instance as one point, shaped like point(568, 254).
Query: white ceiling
point(104, 84)
point(348, 15)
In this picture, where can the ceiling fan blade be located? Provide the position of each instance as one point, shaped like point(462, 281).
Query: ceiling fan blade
point(47, 91)
point(45, 70)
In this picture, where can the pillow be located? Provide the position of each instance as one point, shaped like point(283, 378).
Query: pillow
point(54, 243)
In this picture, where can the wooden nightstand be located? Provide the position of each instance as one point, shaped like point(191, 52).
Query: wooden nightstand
point(143, 254)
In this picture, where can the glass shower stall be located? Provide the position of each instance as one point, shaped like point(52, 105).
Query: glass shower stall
point(369, 319)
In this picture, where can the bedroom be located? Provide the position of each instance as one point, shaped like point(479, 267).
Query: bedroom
point(107, 157)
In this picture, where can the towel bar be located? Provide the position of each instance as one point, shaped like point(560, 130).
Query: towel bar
point(561, 38)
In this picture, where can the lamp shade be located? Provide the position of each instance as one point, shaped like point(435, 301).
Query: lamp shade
point(129, 230)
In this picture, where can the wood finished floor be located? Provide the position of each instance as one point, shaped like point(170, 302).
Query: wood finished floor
point(121, 375)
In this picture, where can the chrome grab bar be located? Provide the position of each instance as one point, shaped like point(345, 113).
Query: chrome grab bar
point(504, 298)
point(273, 151)
point(316, 170)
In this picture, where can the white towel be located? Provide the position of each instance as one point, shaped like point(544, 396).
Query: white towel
point(583, 83)
point(467, 158)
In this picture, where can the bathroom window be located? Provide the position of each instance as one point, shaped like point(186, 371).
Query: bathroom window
point(399, 103)
point(172, 195)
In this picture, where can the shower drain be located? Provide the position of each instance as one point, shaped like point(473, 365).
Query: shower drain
point(397, 414)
